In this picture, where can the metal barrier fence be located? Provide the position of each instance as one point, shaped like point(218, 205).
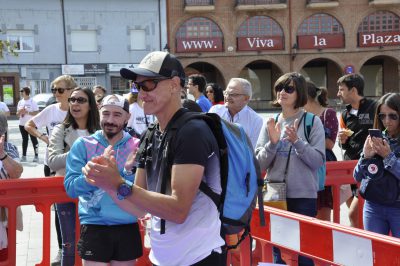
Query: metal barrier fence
point(294, 234)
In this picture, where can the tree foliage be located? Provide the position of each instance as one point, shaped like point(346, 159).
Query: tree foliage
point(7, 48)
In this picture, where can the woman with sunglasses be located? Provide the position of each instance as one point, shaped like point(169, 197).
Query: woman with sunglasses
point(49, 117)
point(214, 93)
point(381, 160)
point(317, 103)
point(283, 151)
point(82, 120)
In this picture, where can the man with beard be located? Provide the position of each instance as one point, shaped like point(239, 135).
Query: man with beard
point(108, 234)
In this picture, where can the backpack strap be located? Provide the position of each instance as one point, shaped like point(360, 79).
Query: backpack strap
point(308, 124)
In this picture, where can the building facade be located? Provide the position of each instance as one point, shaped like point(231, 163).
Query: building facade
point(90, 40)
point(261, 39)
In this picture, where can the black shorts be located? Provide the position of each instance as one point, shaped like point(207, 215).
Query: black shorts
point(325, 199)
point(104, 243)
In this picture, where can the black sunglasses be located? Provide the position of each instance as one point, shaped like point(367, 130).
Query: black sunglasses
point(60, 90)
point(79, 100)
point(286, 88)
point(391, 116)
point(148, 84)
point(21, 91)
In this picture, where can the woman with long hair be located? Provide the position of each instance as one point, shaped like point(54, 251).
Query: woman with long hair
point(214, 93)
point(317, 103)
point(288, 154)
point(380, 162)
point(82, 120)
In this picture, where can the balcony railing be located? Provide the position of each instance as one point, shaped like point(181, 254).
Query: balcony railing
point(199, 2)
point(199, 6)
point(254, 5)
point(322, 3)
point(260, 2)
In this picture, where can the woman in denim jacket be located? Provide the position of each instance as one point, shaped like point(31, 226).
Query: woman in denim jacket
point(82, 120)
point(381, 157)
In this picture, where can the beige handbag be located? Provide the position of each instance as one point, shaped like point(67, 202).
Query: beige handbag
point(275, 193)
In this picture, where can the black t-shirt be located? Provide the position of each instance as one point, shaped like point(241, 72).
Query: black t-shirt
point(194, 143)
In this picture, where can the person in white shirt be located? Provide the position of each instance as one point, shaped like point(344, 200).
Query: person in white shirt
point(26, 109)
point(138, 122)
point(49, 117)
point(236, 110)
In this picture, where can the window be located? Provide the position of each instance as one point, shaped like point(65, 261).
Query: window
point(198, 27)
point(119, 85)
point(138, 39)
point(260, 26)
point(380, 21)
point(37, 86)
point(21, 39)
point(320, 23)
point(84, 41)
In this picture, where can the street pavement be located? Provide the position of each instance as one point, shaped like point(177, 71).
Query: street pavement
point(29, 241)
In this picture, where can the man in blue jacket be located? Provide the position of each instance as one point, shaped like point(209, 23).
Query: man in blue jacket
point(108, 234)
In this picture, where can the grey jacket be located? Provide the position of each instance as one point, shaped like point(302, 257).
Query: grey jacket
point(61, 141)
point(305, 158)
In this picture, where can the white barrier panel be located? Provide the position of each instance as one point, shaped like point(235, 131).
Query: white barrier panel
point(285, 232)
point(351, 250)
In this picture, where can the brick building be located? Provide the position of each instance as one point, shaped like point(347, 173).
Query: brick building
point(261, 39)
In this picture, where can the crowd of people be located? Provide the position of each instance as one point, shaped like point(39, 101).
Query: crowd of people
point(94, 140)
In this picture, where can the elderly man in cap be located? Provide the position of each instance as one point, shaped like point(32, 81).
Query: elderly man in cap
point(108, 234)
point(185, 226)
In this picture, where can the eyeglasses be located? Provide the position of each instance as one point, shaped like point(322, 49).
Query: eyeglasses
point(391, 116)
point(287, 88)
point(234, 95)
point(147, 85)
point(209, 92)
point(21, 91)
point(79, 100)
point(60, 90)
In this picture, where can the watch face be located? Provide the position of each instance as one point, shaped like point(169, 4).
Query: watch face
point(124, 190)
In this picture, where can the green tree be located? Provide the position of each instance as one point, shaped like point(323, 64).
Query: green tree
point(7, 48)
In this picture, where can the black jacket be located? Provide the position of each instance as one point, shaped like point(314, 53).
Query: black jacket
point(360, 124)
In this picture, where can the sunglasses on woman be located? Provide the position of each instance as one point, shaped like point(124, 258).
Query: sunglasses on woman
point(391, 116)
point(79, 100)
point(287, 88)
point(147, 85)
point(60, 90)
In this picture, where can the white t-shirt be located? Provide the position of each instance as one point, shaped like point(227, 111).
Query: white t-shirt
point(4, 107)
point(247, 118)
point(29, 105)
point(49, 117)
point(137, 121)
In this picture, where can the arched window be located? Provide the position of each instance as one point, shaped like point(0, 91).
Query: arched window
point(259, 26)
point(380, 21)
point(259, 33)
point(320, 31)
point(199, 34)
point(320, 24)
point(198, 27)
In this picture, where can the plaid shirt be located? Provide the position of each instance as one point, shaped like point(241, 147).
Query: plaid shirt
point(11, 151)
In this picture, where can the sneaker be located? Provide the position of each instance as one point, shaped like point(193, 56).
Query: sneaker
point(36, 159)
point(57, 260)
point(23, 159)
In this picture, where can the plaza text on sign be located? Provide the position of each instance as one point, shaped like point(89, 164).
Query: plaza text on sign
point(260, 43)
point(186, 45)
point(322, 41)
point(378, 39)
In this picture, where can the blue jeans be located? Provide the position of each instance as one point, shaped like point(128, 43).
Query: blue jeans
point(66, 216)
point(302, 206)
point(381, 219)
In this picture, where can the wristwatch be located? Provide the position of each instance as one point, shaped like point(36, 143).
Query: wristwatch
point(124, 189)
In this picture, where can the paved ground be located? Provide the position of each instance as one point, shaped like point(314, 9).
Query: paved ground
point(29, 241)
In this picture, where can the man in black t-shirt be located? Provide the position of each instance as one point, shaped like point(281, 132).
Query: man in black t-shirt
point(356, 119)
point(192, 225)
